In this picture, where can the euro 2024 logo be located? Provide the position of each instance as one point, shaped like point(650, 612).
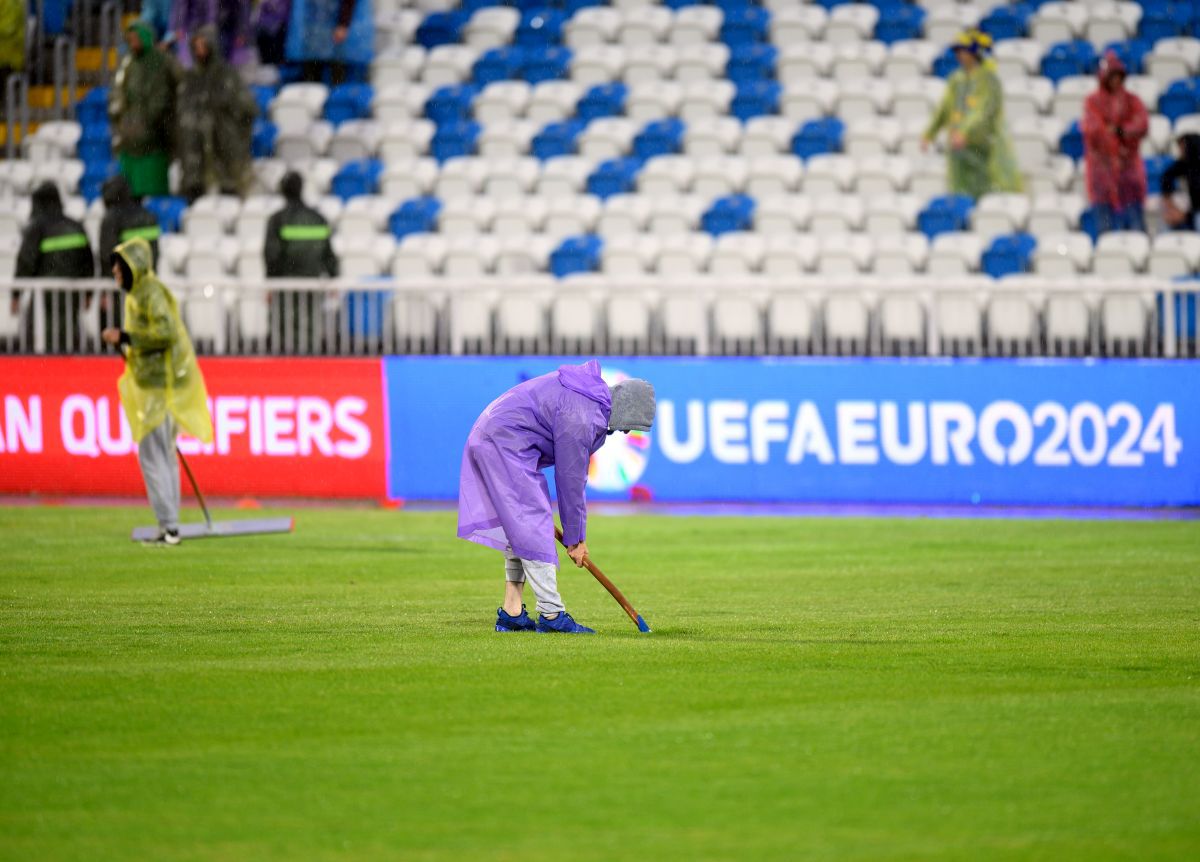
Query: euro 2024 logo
point(621, 461)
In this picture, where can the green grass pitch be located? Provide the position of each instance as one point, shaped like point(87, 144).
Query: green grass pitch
point(813, 689)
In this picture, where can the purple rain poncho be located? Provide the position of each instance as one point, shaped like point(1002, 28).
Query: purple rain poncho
point(559, 420)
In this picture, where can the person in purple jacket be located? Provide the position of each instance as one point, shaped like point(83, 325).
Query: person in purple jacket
point(559, 419)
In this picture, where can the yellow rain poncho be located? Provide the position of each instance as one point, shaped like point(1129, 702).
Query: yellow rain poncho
point(161, 375)
point(973, 104)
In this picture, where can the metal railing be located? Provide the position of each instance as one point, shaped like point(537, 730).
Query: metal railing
point(110, 38)
point(16, 113)
point(66, 78)
point(700, 316)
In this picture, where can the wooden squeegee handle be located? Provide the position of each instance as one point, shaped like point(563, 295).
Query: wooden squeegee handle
point(608, 585)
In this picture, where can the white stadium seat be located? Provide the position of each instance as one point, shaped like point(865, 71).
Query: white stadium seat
point(593, 25)
point(696, 26)
point(1063, 254)
point(491, 27)
point(624, 215)
point(1121, 253)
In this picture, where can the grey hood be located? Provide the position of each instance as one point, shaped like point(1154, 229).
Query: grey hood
point(632, 406)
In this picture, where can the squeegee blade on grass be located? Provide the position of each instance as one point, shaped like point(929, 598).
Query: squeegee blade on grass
point(220, 529)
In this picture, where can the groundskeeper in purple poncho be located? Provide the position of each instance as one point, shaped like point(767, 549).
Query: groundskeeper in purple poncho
point(559, 419)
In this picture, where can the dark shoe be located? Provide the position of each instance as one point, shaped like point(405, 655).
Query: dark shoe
point(520, 623)
point(562, 624)
point(164, 539)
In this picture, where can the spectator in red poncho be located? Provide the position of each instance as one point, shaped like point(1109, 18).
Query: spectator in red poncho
point(1114, 123)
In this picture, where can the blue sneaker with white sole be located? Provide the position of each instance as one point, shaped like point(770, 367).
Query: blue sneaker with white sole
point(562, 624)
point(520, 623)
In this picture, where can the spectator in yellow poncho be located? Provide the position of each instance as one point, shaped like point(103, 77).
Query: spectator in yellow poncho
point(980, 156)
point(162, 388)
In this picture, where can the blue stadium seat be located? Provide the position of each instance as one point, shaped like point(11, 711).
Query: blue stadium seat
point(415, 215)
point(451, 103)
point(348, 102)
point(755, 99)
point(365, 312)
point(1008, 255)
point(1069, 58)
point(573, 6)
point(94, 176)
point(727, 6)
point(1007, 22)
point(1156, 166)
point(540, 26)
point(727, 214)
point(1131, 52)
point(1164, 20)
point(264, 94)
point(454, 139)
point(832, 4)
point(546, 63)
point(1089, 223)
point(897, 23)
point(819, 136)
point(945, 214)
point(357, 178)
point(498, 64)
point(1071, 141)
point(557, 139)
point(93, 108)
point(659, 138)
point(745, 25)
point(95, 143)
point(751, 62)
point(262, 142)
point(614, 177)
point(168, 210)
point(441, 28)
point(602, 100)
point(945, 64)
point(576, 254)
point(1182, 97)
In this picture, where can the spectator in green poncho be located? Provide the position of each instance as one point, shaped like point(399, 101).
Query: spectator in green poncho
point(980, 158)
point(142, 110)
point(12, 38)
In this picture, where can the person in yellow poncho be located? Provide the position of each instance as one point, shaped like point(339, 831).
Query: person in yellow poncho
point(980, 158)
point(162, 388)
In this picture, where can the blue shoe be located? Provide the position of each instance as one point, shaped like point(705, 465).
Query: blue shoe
point(520, 623)
point(562, 623)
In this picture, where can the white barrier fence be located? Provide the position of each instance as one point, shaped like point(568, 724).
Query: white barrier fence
point(702, 315)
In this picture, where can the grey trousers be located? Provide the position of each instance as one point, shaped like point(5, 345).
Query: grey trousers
point(542, 577)
point(160, 471)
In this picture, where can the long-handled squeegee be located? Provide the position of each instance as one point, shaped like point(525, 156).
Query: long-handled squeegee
point(610, 586)
point(217, 529)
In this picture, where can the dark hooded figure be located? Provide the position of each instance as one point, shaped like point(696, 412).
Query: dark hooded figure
point(298, 237)
point(1186, 168)
point(54, 246)
point(298, 245)
point(142, 110)
point(124, 219)
point(216, 123)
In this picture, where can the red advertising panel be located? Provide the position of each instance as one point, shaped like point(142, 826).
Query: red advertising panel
point(281, 427)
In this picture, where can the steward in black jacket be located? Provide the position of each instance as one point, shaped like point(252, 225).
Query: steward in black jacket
point(125, 219)
point(54, 246)
point(298, 237)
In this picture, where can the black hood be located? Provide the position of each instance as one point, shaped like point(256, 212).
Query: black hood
point(47, 203)
point(117, 193)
